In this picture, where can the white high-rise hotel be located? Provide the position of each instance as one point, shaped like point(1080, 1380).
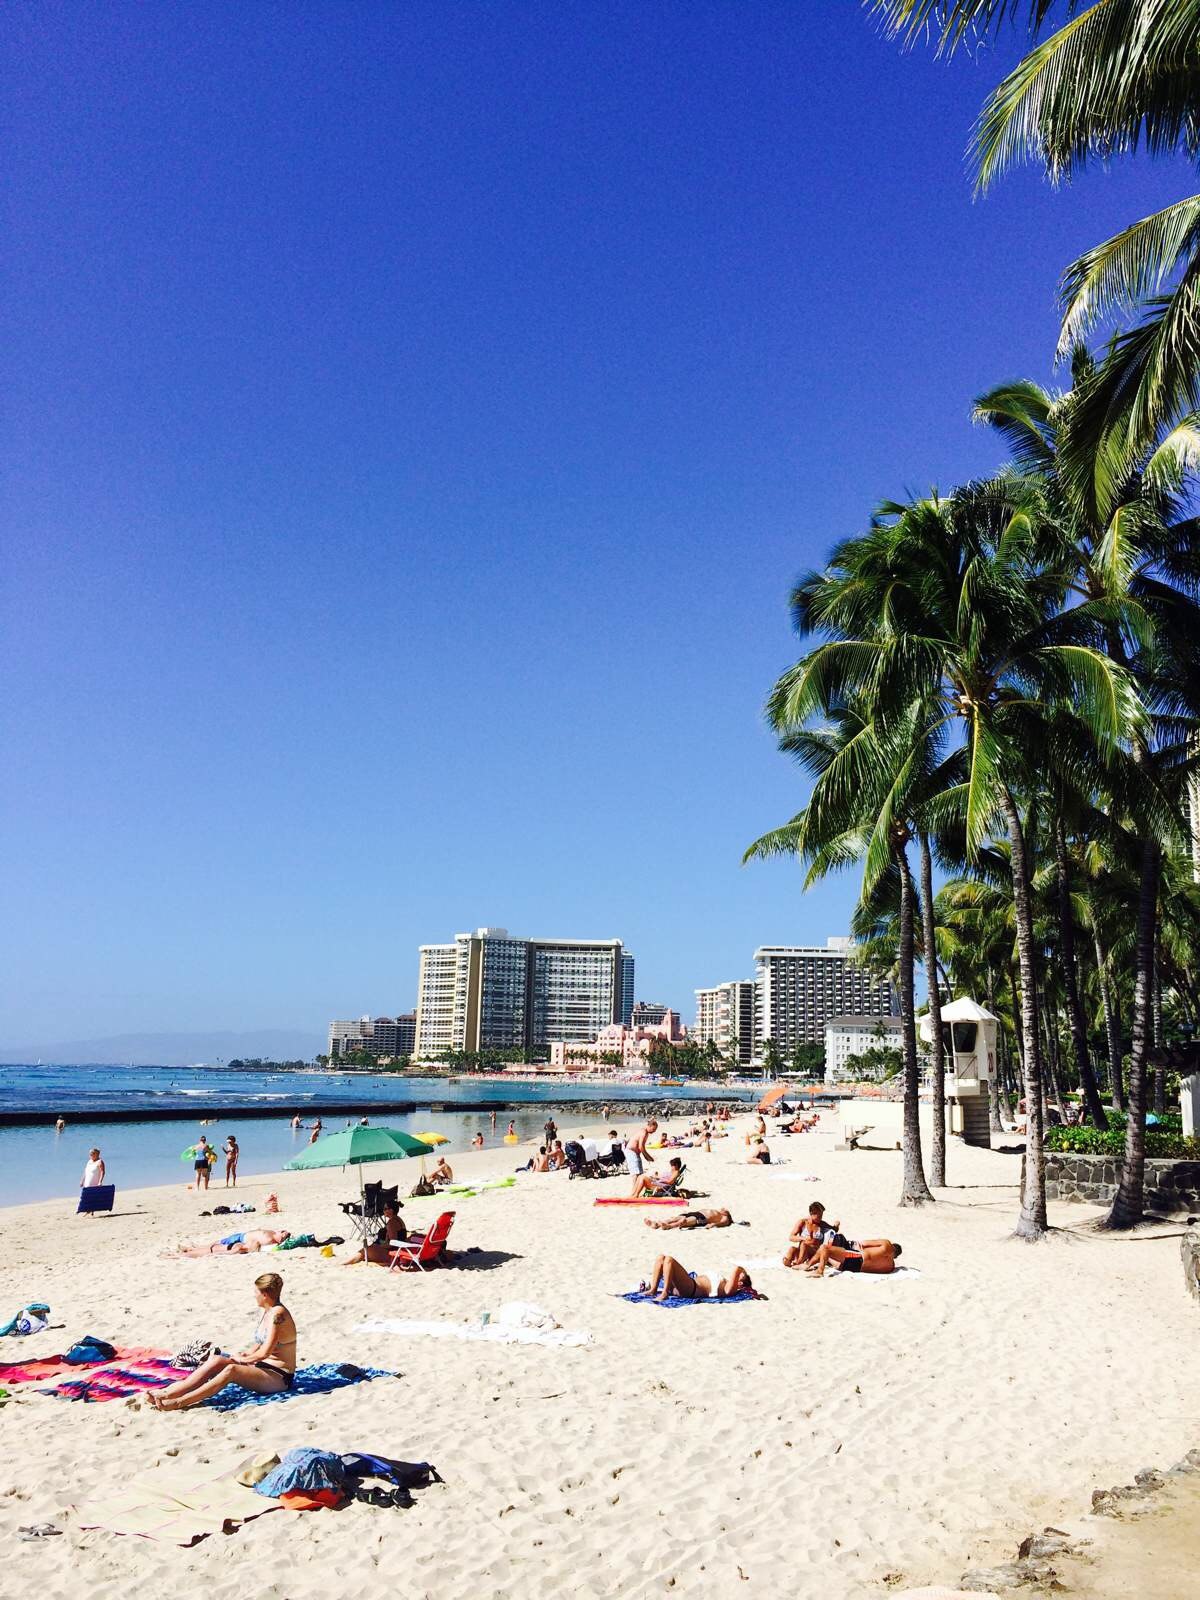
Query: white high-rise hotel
point(800, 987)
point(796, 991)
point(488, 990)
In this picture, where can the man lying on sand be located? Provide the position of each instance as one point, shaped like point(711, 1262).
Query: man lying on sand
point(234, 1244)
point(809, 1234)
point(693, 1219)
point(668, 1277)
point(872, 1255)
point(268, 1367)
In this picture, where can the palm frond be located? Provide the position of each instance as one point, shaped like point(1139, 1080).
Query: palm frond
point(1124, 270)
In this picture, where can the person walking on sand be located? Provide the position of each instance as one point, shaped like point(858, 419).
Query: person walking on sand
point(200, 1162)
point(93, 1171)
point(231, 1160)
point(635, 1151)
point(268, 1367)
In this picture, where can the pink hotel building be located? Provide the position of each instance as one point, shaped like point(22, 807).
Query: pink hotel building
point(631, 1044)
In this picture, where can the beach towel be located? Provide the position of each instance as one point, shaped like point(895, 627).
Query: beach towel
point(794, 1177)
point(643, 1297)
point(464, 1191)
point(176, 1504)
point(118, 1380)
point(474, 1332)
point(758, 1263)
point(308, 1380)
point(30, 1319)
point(58, 1366)
point(643, 1200)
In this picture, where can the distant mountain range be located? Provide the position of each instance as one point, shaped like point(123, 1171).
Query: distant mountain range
point(174, 1049)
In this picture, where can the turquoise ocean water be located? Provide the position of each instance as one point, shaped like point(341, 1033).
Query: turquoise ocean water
point(36, 1163)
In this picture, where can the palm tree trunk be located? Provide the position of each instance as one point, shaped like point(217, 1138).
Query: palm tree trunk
point(1054, 1089)
point(996, 1087)
point(915, 1191)
point(937, 1152)
point(1129, 1204)
point(1070, 965)
point(1160, 1070)
point(1112, 1027)
point(1032, 1223)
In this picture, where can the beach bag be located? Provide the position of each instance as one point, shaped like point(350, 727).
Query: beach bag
point(30, 1319)
point(404, 1474)
point(421, 1188)
point(193, 1354)
point(88, 1350)
point(305, 1472)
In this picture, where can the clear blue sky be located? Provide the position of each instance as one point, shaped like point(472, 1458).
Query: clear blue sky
point(416, 417)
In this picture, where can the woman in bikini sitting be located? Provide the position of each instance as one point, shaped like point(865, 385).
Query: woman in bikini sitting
point(872, 1255)
point(268, 1367)
point(380, 1249)
point(668, 1278)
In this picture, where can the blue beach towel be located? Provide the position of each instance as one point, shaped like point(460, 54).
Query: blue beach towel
point(308, 1380)
point(643, 1297)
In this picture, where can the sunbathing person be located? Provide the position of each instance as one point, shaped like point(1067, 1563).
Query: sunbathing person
point(668, 1278)
point(442, 1172)
point(872, 1255)
point(693, 1219)
point(759, 1153)
point(234, 1244)
point(379, 1250)
point(658, 1183)
point(268, 1367)
point(809, 1234)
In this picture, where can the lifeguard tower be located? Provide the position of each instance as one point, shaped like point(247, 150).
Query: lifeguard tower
point(969, 1043)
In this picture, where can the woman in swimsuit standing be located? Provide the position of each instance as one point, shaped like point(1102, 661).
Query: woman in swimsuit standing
point(268, 1367)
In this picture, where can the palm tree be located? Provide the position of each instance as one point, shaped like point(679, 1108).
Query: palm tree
point(864, 792)
point(1118, 75)
point(947, 606)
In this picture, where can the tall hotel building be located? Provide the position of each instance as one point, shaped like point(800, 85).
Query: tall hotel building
point(487, 990)
point(800, 987)
point(727, 1014)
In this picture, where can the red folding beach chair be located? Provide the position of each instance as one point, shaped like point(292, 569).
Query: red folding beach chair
point(423, 1251)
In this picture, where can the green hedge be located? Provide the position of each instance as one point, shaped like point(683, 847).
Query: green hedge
point(1089, 1141)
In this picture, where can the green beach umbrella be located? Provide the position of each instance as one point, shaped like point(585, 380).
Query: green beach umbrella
point(355, 1147)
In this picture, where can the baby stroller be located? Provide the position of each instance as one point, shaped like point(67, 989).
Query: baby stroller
point(577, 1163)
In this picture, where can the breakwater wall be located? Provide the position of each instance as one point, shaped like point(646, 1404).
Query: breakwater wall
point(198, 1111)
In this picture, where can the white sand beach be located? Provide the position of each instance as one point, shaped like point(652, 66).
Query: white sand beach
point(843, 1438)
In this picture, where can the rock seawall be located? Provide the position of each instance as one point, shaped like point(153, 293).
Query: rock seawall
point(1171, 1186)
